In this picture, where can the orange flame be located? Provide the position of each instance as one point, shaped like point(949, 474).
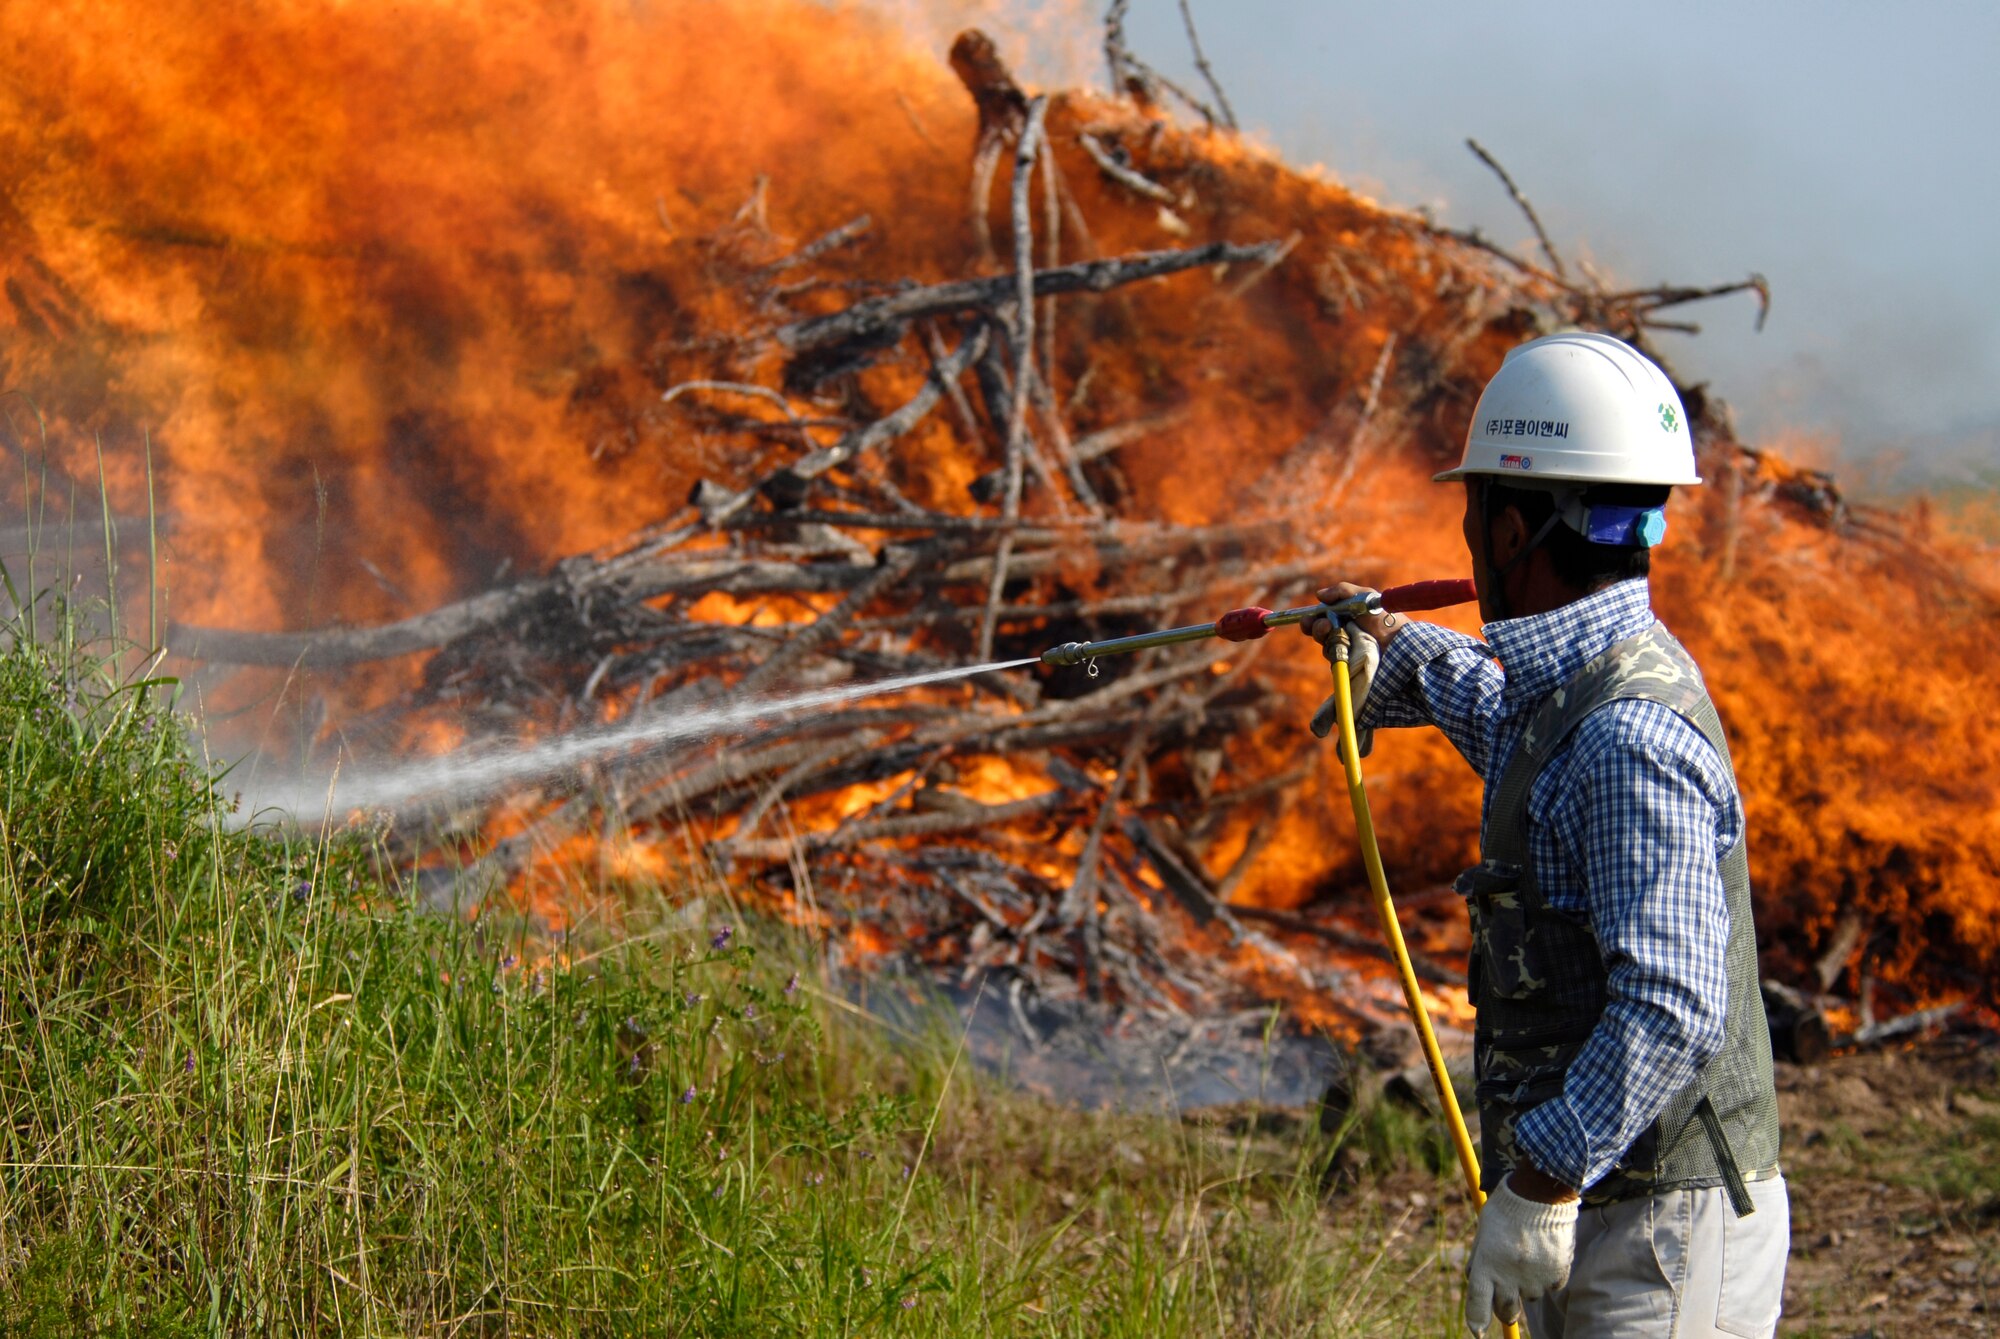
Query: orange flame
point(397, 288)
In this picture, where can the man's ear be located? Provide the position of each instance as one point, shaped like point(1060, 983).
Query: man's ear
point(1507, 534)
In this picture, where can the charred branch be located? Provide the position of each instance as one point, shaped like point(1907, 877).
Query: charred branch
point(971, 818)
point(700, 572)
point(1110, 163)
point(1645, 301)
point(1207, 71)
point(328, 647)
point(1117, 56)
point(889, 315)
point(1799, 1031)
point(717, 507)
point(977, 63)
point(1179, 876)
point(1352, 940)
point(1023, 334)
point(833, 240)
point(1527, 209)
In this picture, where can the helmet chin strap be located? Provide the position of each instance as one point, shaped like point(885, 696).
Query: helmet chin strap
point(1500, 571)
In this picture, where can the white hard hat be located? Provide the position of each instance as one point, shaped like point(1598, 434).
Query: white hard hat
point(1579, 408)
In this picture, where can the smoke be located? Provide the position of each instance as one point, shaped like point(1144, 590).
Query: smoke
point(1842, 153)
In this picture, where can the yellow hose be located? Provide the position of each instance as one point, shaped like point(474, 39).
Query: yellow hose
point(1392, 930)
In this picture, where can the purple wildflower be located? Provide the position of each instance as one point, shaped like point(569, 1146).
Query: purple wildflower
point(909, 1302)
point(692, 998)
point(749, 1012)
point(716, 1193)
point(720, 940)
point(688, 1096)
point(815, 1178)
point(633, 1066)
point(792, 986)
point(303, 891)
point(188, 1067)
point(509, 963)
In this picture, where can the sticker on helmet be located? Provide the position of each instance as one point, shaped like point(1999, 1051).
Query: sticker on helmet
point(1517, 462)
point(1526, 427)
point(1669, 419)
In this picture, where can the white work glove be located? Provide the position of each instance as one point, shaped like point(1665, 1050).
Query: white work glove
point(1523, 1250)
point(1363, 655)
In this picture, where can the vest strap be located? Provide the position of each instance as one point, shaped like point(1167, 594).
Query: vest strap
point(1725, 1160)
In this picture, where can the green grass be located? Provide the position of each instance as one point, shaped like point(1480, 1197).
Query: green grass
point(1949, 1157)
point(248, 1090)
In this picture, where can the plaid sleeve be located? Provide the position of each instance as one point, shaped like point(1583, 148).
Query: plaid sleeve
point(1644, 809)
point(1434, 676)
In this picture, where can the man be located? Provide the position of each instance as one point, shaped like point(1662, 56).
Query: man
point(1628, 1120)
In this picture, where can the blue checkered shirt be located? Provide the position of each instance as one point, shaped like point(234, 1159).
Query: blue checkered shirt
point(1627, 826)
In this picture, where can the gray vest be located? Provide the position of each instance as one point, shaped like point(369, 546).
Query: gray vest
point(1540, 985)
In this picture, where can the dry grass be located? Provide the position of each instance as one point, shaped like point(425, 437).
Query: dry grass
point(247, 1089)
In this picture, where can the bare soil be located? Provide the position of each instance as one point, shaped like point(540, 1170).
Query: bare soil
point(1893, 1159)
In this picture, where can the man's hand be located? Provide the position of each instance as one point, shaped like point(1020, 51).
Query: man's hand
point(1382, 627)
point(1523, 1250)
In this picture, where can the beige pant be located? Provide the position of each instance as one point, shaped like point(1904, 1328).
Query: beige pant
point(1678, 1264)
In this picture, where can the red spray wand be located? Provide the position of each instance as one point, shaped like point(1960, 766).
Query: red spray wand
point(1246, 625)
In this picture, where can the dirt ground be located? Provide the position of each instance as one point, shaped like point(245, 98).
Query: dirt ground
point(1893, 1161)
point(1893, 1158)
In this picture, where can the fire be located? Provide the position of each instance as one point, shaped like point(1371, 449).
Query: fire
point(391, 286)
point(396, 291)
point(830, 810)
point(998, 780)
point(865, 941)
point(718, 607)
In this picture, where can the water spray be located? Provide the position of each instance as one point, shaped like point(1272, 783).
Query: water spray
point(493, 768)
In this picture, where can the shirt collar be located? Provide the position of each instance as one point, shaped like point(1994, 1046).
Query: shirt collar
point(1542, 651)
